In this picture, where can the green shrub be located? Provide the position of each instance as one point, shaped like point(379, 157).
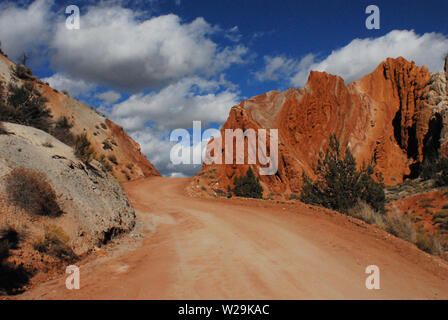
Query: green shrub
point(83, 148)
point(25, 106)
point(339, 185)
point(293, 196)
point(10, 236)
point(248, 186)
point(30, 190)
point(436, 169)
point(12, 278)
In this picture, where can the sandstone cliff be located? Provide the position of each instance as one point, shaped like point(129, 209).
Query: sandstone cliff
point(395, 118)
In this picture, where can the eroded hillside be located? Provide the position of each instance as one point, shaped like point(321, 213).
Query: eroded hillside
point(107, 138)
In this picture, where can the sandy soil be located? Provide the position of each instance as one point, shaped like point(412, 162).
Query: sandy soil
point(250, 249)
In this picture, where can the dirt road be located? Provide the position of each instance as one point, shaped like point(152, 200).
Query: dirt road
point(250, 249)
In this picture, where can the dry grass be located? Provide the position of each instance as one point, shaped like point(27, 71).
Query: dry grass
point(13, 235)
point(55, 243)
point(402, 227)
point(30, 190)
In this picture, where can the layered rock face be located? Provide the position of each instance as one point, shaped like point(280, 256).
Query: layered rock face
point(106, 137)
point(392, 118)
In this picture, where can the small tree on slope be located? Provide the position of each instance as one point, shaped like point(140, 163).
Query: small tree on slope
point(248, 186)
point(339, 184)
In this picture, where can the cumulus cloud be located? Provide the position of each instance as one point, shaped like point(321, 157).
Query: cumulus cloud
point(116, 47)
point(150, 118)
point(25, 29)
point(75, 87)
point(109, 97)
point(281, 67)
point(173, 69)
point(157, 148)
point(362, 56)
point(177, 105)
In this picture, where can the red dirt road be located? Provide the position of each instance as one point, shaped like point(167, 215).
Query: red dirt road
point(250, 249)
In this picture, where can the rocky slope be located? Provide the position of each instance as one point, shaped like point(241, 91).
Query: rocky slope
point(106, 137)
point(395, 117)
point(92, 207)
point(94, 204)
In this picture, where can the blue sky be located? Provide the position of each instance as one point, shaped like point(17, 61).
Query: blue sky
point(153, 66)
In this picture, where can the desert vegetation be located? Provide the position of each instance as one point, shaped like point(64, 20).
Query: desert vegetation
point(339, 184)
point(62, 131)
point(402, 227)
point(248, 186)
point(83, 148)
point(55, 243)
point(30, 190)
point(104, 163)
point(12, 278)
point(21, 70)
point(437, 170)
point(25, 106)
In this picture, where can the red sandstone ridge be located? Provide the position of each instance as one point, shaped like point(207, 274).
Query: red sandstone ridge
point(389, 118)
point(106, 137)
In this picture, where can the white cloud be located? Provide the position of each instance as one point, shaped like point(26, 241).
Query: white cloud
point(177, 105)
point(157, 148)
point(362, 56)
point(74, 87)
point(281, 67)
point(109, 97)
point(115, 47)
point(174, 68)
point(233, 34)
point(25, 29)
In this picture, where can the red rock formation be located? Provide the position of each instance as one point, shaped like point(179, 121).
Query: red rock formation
point(384, 118)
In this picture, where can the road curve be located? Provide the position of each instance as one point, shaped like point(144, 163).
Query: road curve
point(250, 249)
